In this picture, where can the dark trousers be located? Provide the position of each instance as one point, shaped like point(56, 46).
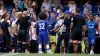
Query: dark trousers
point(6, 39)
point(64, 36)
point(33, 46)
point(1, 44)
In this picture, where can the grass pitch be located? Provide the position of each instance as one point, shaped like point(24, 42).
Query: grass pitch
point(34, 54)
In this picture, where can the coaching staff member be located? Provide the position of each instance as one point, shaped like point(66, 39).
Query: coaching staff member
point(23, 32)
point(76, 33)
point(65, 33)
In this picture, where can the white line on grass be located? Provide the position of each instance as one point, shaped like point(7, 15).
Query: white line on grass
point(9, 54)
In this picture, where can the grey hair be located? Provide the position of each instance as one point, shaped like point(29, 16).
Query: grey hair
point(25, 12)
point(18, 13)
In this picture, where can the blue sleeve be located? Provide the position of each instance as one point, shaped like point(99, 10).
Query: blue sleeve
point(96, 24)
point(87, 24)
point(55, 21)
point(47, 26)
point(37, 29)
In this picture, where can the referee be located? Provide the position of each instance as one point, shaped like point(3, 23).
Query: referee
point(78, 24)
point(23, 35)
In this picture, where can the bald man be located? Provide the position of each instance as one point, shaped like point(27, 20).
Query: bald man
point(23, 32)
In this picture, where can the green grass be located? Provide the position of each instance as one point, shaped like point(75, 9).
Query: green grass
point(2, 53)
point(57, 55)
point(53, 54)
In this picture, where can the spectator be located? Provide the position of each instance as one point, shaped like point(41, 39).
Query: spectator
point(87, 6)
point(26, 1)
point(54, 10)
point(15, 1)
point(46, 4)
point(1, 3)
point(21, 5)
point(99, 8)
point(72, 6)
point(59, 8)
point(32, 14)
point(16, 7)
point(90, 12)
point(25, 5)
point(13, 14)
point(86, 15)
point(97, 17)
point(29, 2)
point(81, 3)
point(35, 7)
point(3, 10)
point(43, 9)
point(53, 3)
point(65, 6)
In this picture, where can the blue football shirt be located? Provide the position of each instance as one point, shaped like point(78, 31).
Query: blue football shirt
point(42, 27)
point(51, 25)
point(92, 26)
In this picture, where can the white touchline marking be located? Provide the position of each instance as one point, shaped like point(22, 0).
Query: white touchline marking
point(9, 54)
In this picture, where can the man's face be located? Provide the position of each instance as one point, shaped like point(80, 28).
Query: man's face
point(47, 1)
point(34, 3)
point(16, 4)
point(25, 14)
point(0, 17)
point(91, 17)
point(97, 16)
point(13, 10)
point(66, 15)
point(90, 12)
point(54, 9)
point(7, 17)
point(43, 9)
point(53, 15)
point(62, 14)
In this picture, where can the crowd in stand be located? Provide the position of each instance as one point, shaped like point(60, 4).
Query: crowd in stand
point(19, 30)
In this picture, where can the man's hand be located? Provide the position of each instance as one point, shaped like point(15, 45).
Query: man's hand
point(36, 37)
point(51, 30)
point(60, 33)
point(12, 35)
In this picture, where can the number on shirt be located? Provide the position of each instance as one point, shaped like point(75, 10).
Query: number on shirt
point(41, 26)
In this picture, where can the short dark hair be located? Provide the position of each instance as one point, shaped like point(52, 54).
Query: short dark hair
point(77, 10)
point(53, 12)
point(43, 7)
point(1, 16)
point(42, 16)
point(97, 14)
point(61, 18)
point(91, 15)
